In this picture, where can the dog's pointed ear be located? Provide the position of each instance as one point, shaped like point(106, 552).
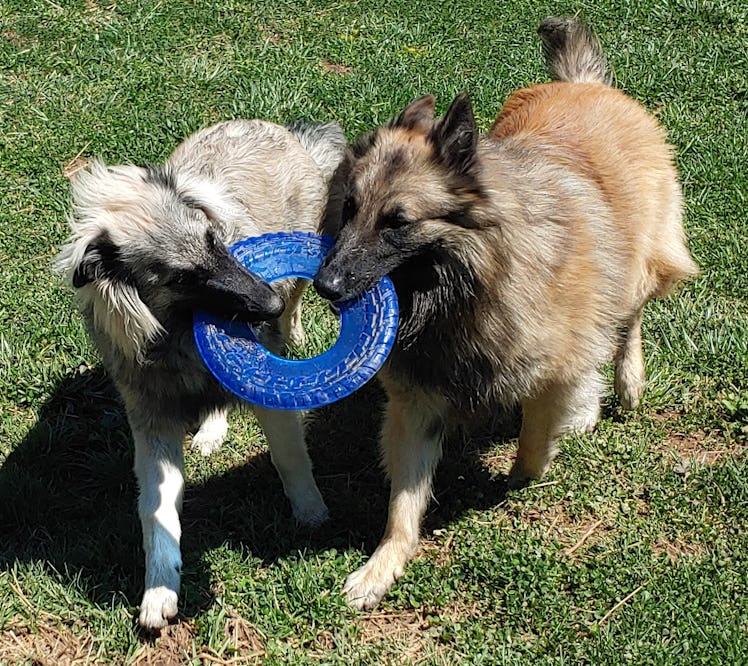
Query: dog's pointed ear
point(101, 259)
point(419, 114)
point(456, 135)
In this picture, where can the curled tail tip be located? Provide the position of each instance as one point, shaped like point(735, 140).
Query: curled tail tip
point(572, 52)
point(555, 31)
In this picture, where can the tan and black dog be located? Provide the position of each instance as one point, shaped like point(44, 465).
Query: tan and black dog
point(522, 262)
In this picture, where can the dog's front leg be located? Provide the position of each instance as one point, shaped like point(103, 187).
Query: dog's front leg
point(159, 470)
point(285, 437)
point(411, 447)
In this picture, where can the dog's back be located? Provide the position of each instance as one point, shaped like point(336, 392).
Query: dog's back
point(609, 139)
point(247, 162)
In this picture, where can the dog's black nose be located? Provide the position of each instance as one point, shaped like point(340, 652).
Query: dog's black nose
point(329, 287)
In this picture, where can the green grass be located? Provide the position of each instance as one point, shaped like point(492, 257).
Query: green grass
point(633, 550)
point(321, 327)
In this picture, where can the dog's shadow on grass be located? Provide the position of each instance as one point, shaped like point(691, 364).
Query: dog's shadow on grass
point(68, 496)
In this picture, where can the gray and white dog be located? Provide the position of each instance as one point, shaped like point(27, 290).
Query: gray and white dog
point(148, 247)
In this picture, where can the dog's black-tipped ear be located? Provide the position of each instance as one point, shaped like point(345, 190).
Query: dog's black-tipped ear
point(419, 114)
point(90, 267)
point(456, 135)
point(100, 260)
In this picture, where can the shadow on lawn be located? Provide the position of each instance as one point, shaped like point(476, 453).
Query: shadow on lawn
point(68, 494)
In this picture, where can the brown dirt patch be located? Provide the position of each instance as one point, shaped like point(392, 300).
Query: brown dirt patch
point(700, 448)
point(677, 548)
point(695, 447)
point(270, 35)
point(335, 68)
point(49, 641)
point(404, 627)
point(574, 533)
point(177, 644)
point(326, 641)
point(243, 638)
point(15, 38)
point(170, 648)
point(412, 629)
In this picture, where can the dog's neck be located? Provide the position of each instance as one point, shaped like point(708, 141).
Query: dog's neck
point(432, 289)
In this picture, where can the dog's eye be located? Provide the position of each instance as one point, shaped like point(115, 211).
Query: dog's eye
point(187, 279)
point(212, 240)
point(179, 279)
point(394, 220)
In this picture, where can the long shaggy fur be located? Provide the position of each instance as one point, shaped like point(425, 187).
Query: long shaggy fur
point(522, 262)
point(148, 245)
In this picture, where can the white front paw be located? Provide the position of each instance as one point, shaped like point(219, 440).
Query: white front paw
point(309, 508)
point(207, 443)
point(629, 391)
point(365, 587)
point(159, 605)
point(209, 437)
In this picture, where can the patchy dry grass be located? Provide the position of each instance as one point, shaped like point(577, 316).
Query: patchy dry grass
point(46, 642)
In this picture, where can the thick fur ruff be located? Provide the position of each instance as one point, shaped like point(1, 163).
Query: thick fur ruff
point(522, 261)
point(148, 247)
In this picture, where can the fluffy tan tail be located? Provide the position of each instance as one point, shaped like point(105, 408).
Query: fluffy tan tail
point(572, 53)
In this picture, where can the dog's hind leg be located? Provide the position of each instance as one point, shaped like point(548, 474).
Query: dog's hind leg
point(629, 364)
point(285, 436)
point(411, 447)
point(560, 409)
point(159, 470)
point(209, 437)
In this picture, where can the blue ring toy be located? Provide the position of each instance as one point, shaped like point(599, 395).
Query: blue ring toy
point(232, 352)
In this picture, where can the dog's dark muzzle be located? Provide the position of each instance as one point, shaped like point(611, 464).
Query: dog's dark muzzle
point(335, 283)
point(236, 293)
point(355, 263)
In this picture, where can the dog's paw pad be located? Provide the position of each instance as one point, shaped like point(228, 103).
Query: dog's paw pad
point(519, 477)
point(629, 397)
point(312, 511)
point(207, 443)
point(159, 605)
point(365, 587)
